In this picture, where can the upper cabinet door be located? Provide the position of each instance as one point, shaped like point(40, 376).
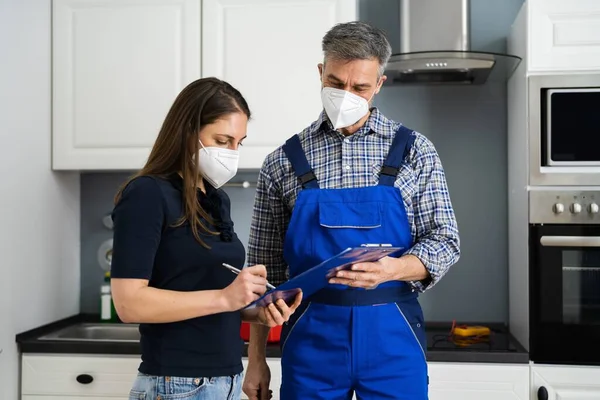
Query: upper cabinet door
point(117, 67)
point(565, 35)
point(269, 50)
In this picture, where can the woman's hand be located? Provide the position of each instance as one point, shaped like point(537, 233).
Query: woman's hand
point(278, 313)
point(247, 287)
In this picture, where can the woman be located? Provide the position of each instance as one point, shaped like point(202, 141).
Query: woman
point(172, 232)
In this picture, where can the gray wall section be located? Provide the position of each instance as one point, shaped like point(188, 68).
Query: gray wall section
point(467, 126)
point(97, 192)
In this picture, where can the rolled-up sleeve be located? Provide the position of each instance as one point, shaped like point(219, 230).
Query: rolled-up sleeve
point(437, 242)
point(267, 230)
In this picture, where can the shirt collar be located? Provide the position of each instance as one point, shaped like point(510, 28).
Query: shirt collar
point(376, 123)
point(177, 182)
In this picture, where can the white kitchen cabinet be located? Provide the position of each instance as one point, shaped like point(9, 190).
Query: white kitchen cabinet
point(269, 50)
point(117, 67)
point(565, 382)
point(119, 64)
point(560, 35)
point(475, 381)
point(565, 35)
point(56, 375)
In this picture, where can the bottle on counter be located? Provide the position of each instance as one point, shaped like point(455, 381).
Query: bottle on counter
point(107, 308)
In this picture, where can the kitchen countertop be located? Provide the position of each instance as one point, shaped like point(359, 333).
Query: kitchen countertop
point(501, 347)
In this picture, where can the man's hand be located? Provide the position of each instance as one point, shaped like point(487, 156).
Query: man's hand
point(279, 312)
point(257, 379)
point(369, 275)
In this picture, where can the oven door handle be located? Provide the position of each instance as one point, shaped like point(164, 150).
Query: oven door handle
point(570, 241)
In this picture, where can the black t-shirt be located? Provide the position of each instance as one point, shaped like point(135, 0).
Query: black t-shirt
point(146, 246)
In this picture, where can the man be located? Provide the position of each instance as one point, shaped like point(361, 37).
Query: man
point(352, 177)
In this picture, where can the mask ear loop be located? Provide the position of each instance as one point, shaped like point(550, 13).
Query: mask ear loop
point(204, 148)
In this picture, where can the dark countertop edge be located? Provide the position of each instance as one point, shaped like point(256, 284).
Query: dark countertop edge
point(28, 342)
point(35, 333)
point(477, 357)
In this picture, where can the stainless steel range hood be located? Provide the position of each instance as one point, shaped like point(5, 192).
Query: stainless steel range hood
point(435, 47)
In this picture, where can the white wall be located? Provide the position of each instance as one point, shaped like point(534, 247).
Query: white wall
point(39, 234)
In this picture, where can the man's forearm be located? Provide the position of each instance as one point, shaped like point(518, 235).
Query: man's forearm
point(436, 254)
point(258, 341)
point(410, 268)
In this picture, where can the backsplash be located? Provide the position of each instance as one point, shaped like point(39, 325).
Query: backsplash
point(467, 126)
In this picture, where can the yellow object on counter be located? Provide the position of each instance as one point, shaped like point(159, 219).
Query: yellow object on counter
point(470, 331)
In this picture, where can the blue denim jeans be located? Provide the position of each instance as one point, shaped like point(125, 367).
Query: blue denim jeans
point(147, 387)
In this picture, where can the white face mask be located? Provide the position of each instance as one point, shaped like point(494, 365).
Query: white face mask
point(343, 108)
point(217, 165)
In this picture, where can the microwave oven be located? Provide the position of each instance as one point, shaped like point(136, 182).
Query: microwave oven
point(571, 127)
point(564, 129)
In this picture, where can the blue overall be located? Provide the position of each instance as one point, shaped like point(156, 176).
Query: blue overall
point(343, 340)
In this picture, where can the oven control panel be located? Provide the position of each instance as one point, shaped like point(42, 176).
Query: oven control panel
point(564, 207)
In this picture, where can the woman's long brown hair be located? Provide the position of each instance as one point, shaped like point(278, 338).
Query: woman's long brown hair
point(201, 103)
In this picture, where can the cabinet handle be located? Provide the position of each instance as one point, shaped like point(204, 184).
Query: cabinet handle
point(84, 379)
point(542, 393)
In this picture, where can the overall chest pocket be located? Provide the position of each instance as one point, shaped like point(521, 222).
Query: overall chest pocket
point(356, 215)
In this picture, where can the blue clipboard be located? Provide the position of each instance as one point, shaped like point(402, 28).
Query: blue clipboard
point(316, 278)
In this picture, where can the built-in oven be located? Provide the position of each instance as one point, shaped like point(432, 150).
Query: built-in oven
point(564, 277)
point(564, 129)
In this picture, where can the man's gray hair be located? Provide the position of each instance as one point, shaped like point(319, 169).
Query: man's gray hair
point(357, 41)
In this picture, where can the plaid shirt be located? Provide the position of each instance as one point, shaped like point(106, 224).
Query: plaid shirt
point(349, 162)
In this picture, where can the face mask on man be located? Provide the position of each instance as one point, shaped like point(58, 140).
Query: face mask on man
point(342, 107)
point(217, 165)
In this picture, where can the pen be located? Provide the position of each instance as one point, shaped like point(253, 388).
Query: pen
point(237, 271)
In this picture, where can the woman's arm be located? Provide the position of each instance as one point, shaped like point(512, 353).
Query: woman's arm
point(136, 302)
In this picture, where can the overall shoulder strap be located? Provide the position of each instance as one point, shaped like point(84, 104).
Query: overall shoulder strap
point(295, 154)
point(403, 141)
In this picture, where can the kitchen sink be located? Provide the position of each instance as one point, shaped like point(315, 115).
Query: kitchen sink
point(104, 332)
